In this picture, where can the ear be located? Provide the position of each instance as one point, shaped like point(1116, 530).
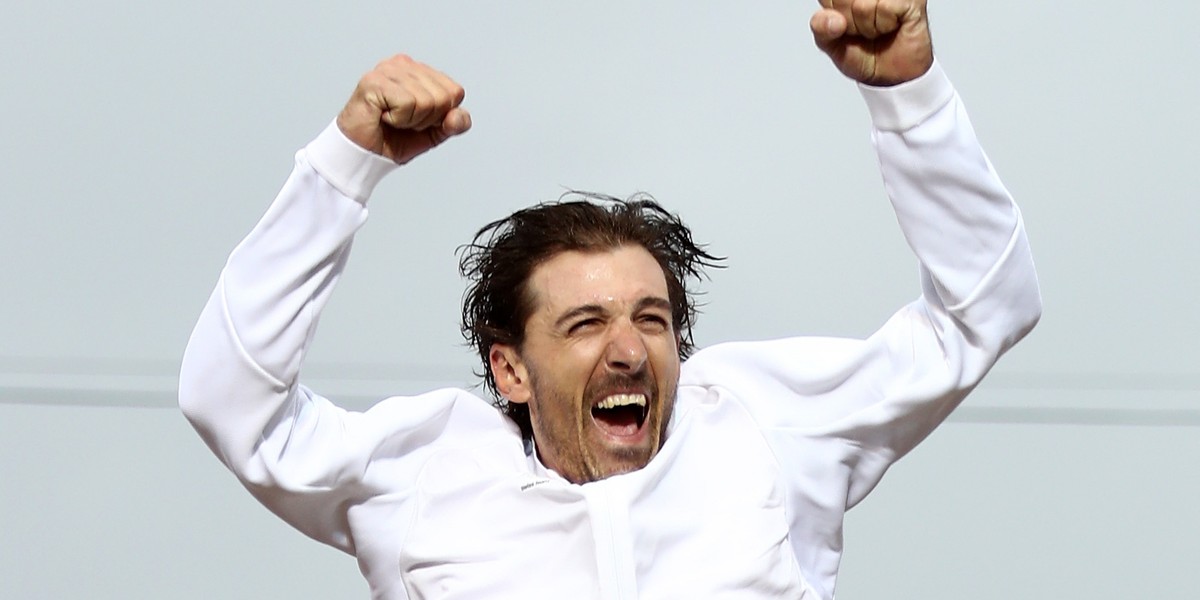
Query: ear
point(511, 374)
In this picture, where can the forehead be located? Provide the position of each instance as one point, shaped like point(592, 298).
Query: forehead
point(572, 278)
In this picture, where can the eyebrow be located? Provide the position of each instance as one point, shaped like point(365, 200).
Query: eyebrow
point(598, 310)
point(653, 302)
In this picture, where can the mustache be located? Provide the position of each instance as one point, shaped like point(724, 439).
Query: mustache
point(621, 382)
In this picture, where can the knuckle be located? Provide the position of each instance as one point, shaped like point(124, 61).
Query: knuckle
point(371, 81)
point(421, 110)
point(401, 108)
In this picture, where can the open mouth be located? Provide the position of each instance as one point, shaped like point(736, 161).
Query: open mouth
point(621, 415)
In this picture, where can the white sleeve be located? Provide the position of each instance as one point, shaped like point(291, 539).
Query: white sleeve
point(306, 459)
point(877, 398)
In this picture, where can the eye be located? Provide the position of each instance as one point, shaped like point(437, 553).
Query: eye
point(584, 325)
point(654, 322)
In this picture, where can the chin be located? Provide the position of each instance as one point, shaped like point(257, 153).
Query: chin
point(622, 461)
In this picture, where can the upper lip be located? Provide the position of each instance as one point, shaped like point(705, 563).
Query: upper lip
point(631, 395)
point(618, 392)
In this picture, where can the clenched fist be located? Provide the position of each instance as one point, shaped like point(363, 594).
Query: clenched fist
point(876, 42)
point(403, 108)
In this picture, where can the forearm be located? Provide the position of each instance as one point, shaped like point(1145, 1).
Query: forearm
point(953, 209)
point(245, 353)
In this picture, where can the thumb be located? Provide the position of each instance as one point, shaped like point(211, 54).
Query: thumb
point(827, 26)
point(456, 122)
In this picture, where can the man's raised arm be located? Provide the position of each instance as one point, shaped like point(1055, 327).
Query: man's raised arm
point(979, 286)
point(239, 378)
point(883, 395)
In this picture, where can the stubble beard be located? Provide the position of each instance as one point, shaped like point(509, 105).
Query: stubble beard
point(577, 461)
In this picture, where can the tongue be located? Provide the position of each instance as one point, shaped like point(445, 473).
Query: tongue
point(619, 421)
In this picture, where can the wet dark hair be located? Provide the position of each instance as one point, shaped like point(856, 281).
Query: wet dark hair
point(504, 253)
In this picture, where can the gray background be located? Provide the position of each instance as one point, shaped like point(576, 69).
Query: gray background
point(142, 139)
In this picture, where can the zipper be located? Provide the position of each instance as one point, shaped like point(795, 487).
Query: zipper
point(610, 529)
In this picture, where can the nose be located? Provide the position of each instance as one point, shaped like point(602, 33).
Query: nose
point(626, 352)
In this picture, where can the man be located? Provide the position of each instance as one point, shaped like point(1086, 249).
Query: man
point(627, 472)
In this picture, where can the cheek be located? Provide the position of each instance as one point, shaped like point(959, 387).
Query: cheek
point(556, 390)
point(666, 365)
point(667, 351)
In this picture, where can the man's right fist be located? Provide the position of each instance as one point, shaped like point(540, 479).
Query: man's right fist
point(403, 108)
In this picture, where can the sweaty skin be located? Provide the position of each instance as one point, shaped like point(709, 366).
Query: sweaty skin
point(601, 329)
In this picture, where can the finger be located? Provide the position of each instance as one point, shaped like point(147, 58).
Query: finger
point(456, 92)
point(862, 13)
point(404, 96)
point(875, 18)
point(449, 95)
point(433, 102)
point(845, 9)
point(432, 86)
point(890, 15)
point(405, 103)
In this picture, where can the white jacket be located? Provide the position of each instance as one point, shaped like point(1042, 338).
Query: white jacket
point(770, 443)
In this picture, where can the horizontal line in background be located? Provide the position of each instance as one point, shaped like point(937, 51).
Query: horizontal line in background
point(77, 367)
point(1094, 399)
point(1076, 416)
point(64, 397)
point(82, 367)
point(47, 396)
point(1094, 381)
point(152, 399)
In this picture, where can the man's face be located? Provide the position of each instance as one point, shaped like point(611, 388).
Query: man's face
point(600, 362)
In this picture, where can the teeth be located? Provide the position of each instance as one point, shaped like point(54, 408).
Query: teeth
point(622, 400)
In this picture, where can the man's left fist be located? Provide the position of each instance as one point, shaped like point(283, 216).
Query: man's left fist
point(876, 42)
